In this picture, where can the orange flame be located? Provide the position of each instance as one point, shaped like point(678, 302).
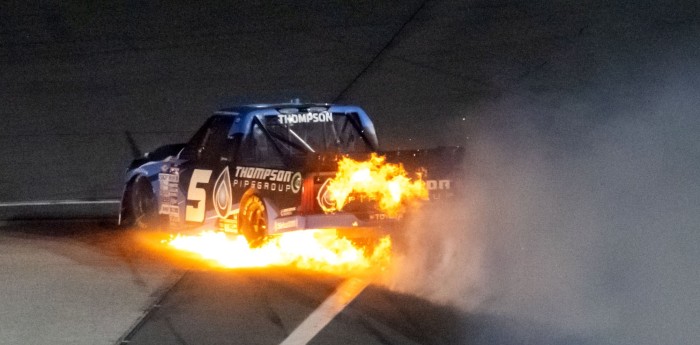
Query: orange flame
point(317, 250)
point(386, 183)
point(320, 250)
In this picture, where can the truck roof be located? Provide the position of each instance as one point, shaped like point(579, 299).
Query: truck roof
point(242, 109)
point(248, 112)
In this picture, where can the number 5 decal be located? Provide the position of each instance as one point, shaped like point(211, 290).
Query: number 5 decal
point(194, 193)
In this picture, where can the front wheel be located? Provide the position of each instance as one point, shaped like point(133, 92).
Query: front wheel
point(252, 220)
point(143, 206)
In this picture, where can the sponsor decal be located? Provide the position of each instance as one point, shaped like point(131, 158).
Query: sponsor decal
point(168, 194)
point(167, 179)
point(323, 197)
point(221, 196)
point(383, 216)
point(309, 117)
point(287, 224)
point(194, 212)
point(169, 209)
point(296, 182)
point(273, 175)
point(267, 179)
point(437, 184)
point(229, 224)
point(287, 211)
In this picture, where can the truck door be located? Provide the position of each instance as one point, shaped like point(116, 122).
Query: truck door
point(202, 161)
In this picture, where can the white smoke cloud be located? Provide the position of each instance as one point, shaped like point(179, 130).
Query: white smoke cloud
point(581, 223)
point(439, 256)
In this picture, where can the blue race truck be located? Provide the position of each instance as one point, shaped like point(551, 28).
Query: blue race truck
point(258, 170)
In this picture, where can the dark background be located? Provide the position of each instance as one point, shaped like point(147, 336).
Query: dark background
point(75, 75)
point(581, 121)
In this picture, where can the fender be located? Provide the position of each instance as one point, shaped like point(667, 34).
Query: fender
point(146, 170)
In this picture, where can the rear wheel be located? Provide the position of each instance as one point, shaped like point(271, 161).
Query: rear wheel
point(143, 206)
point(252, 220)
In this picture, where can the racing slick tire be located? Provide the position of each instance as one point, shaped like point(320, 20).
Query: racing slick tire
point(142, 204)
point(252, 220)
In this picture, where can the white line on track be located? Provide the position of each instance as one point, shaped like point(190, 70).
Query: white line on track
point(332, 306)
point(58, 202)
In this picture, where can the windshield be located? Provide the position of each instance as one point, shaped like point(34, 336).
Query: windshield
point(319, 132)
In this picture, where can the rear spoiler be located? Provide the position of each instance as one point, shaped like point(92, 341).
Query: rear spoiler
point(433, 163)
point(438, 161)
point(442, 168)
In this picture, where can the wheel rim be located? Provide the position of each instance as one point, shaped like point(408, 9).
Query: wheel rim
point(255, 222)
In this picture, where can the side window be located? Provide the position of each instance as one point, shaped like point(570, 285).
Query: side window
point(190, 150)
point(210, 142)
point(258, 149)
point(214, 145)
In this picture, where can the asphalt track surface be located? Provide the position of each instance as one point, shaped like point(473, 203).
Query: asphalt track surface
point(184, 301)
point(75, 282)
point(266, 306)
point(88, 282)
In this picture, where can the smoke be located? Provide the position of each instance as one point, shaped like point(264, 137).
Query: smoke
point(581, 221)
point(439, 255)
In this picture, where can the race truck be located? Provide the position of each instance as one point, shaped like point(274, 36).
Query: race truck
point(259, 170)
